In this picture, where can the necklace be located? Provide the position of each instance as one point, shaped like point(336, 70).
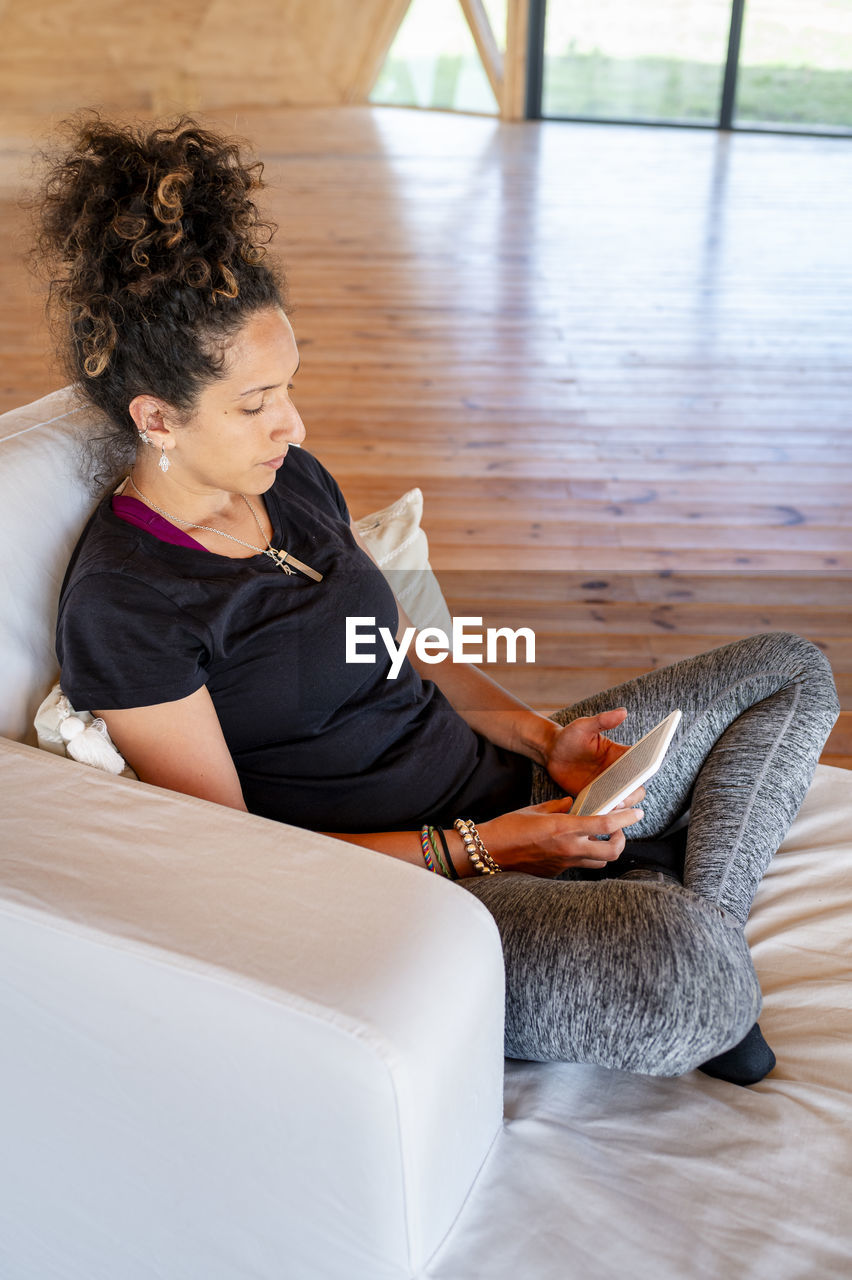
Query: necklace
point(282, 558)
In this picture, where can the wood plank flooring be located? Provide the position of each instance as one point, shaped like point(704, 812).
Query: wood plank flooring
point(616, 361)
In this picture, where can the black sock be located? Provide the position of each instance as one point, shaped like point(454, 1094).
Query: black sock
point(748, 1061)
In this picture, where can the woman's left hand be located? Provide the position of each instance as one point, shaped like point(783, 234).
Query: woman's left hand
point(580, 751)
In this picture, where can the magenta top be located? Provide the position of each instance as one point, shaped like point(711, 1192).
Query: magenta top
point(135, 512)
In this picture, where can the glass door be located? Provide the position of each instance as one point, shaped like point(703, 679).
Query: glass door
point(796, 65)
point(618, 60)
point(778, 64)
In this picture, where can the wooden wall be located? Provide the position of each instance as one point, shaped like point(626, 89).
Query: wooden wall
point(59, 55)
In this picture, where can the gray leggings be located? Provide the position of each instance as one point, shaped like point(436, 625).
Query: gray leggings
point(658, 978)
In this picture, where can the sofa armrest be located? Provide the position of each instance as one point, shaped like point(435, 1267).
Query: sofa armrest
point(230, 1047)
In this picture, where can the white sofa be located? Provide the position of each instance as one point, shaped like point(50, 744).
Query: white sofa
point(234, 1050)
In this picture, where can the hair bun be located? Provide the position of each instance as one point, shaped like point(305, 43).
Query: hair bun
point(131, 215)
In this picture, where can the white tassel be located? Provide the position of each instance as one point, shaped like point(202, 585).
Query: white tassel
point(92, 745)
point(70, 727)
point(77, 734)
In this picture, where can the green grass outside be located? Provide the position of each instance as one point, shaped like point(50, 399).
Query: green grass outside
point(670, 89)
point(652, 88)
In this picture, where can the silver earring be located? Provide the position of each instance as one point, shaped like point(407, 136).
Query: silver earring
point(143, 435)
point(164, 463)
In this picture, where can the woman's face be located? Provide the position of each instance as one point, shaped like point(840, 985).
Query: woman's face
point(238, 435)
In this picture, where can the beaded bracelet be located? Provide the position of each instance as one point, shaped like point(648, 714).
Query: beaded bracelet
point(469, 833)
point(480, 858)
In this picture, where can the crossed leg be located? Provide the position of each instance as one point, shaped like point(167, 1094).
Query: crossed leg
point(657, 979)
point(756, 715)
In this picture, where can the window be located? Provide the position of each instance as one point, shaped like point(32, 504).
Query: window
point(658, 60)
point(784, 64)
point(796, 64)
point(433, 62)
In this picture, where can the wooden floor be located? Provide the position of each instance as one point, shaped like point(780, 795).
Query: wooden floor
point(615, 360)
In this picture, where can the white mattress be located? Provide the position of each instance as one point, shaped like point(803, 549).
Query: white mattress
point(599, 1174)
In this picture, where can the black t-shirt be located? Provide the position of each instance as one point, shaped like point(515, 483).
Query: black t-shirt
point(316, 741)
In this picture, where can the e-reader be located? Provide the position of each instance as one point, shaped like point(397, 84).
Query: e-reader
point(631, 770)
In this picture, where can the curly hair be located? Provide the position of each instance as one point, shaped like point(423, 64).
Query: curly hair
point(155, 253)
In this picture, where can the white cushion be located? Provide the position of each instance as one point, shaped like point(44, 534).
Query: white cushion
point(601, 1174)
point(44, 502)
point(399, 545)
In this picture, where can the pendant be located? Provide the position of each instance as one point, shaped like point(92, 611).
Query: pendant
point(281, 558)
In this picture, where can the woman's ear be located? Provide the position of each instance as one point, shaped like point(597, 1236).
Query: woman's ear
point(147, 412)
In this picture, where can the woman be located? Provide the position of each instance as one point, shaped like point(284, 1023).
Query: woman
point(203, 616)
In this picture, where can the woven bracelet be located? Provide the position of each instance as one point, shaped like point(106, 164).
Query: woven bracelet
point(454, 875)
point(437, 854)
point(426, 848)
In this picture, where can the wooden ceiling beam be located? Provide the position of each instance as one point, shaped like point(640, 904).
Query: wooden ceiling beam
point(486, 44)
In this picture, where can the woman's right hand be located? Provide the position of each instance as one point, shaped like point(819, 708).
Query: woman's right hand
point(545, 840)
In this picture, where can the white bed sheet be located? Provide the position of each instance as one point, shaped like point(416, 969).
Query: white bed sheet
point(600, 1174)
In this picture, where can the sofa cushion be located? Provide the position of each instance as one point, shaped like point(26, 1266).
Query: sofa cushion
point(399, 544)
point(44, 502)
